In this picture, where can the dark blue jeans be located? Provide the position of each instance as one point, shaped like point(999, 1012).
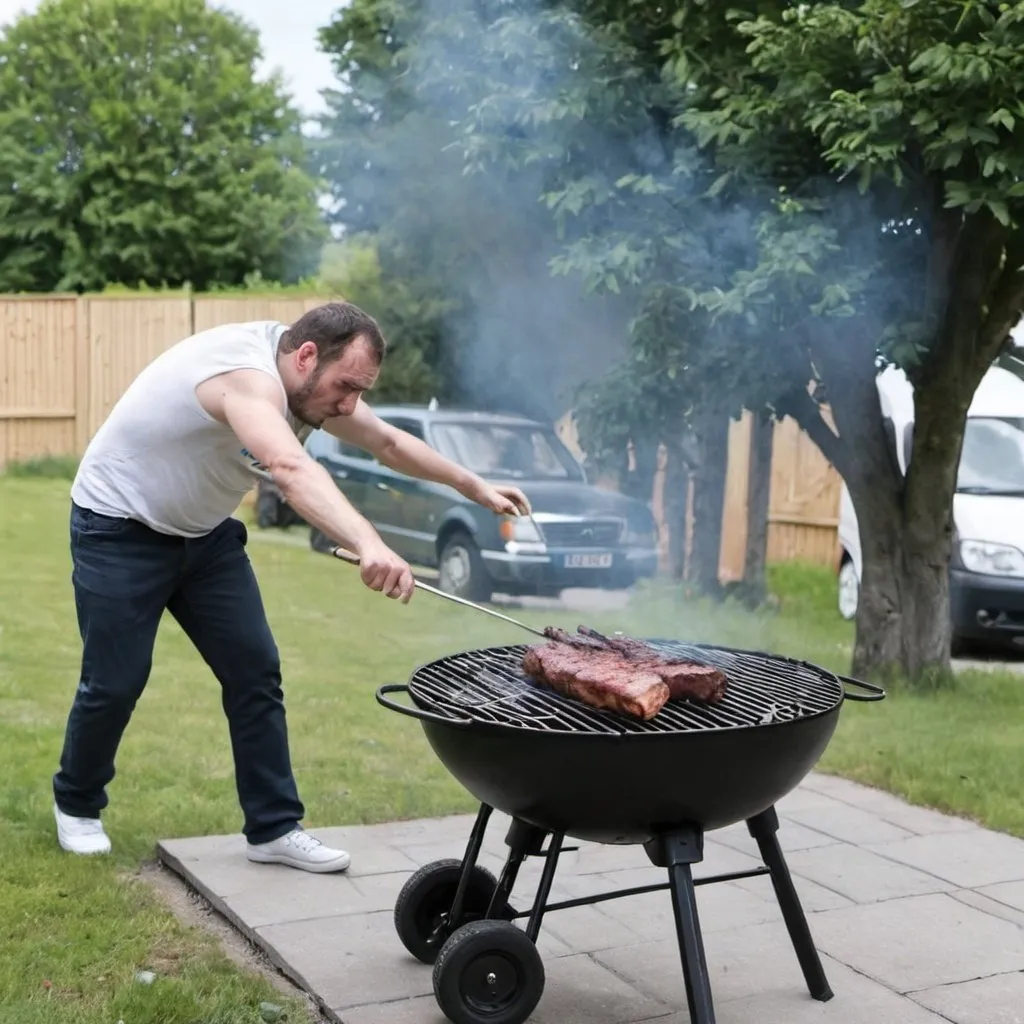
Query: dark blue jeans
point(124, 576)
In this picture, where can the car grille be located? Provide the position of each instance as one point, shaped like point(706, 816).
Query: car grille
point(585, 534)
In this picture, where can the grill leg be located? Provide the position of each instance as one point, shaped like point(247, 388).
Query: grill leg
point(763, 828)
point(476, 841)
point(679, 852)
point(522, 840)
point(547, 877)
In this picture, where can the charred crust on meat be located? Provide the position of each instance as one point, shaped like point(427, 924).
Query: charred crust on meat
point(619, 673)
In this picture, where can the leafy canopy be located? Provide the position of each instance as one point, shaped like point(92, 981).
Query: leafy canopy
point(140, 149)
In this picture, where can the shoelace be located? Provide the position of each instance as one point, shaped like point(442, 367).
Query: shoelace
point(86, 827)
point(304, 841)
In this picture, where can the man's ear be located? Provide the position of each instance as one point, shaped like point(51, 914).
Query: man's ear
point(306, 356)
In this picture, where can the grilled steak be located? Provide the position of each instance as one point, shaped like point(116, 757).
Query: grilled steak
point(598, 677)
point(703, 683)
point(685, 679)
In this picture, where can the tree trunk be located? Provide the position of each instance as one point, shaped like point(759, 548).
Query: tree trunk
point(864, 455)
point(676, 486)
point(759, 479)
point(712, 433)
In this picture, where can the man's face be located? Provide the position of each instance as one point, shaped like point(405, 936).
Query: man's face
point(332, 389)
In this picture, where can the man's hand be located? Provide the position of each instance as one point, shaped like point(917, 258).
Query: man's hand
point(506, 501)
point(381, 569)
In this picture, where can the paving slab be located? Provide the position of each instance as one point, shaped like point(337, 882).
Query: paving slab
point(967, 859)
point(920, 941)
point(995, 1000)
point(918, 919)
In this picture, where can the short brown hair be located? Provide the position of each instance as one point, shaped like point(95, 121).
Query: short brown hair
point(332, 328)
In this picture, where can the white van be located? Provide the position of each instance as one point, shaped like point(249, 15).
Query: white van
point(987, 565)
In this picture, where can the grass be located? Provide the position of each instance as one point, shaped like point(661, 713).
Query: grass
point(85, 927)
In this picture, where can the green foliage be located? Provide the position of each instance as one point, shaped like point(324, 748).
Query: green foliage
point(410, 321)
point(140, 149)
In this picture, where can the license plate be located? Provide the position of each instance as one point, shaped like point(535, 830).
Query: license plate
point(588, 561)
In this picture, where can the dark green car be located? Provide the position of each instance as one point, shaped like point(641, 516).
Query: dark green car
point(578, 536)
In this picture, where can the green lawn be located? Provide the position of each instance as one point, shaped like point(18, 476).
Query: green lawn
point(87, 926)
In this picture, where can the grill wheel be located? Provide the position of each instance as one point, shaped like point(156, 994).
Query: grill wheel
point(489, 972)
point(424, 904)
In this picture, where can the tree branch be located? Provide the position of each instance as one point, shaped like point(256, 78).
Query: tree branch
point(807, 414)
point(1007, 302)
point(974, 266)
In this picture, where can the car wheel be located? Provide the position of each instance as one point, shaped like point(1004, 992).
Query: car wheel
point(462, 570)
point(319, 541)
point(849, 588)
point(268, 510)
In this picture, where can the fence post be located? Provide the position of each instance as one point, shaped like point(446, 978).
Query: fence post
point(83, 376)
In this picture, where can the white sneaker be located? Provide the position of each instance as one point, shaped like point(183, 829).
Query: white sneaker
point(80, 835)
point(298, 849)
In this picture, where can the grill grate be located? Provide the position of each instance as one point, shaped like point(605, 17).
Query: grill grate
point(489, 686)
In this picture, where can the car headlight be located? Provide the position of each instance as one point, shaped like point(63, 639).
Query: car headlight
point(521, 529)
point(991, 559)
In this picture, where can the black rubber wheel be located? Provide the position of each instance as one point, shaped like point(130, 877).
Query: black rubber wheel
point(488, 972)
point(319, 541)
point(423, 906)
point(462, 570)
point(268, 511)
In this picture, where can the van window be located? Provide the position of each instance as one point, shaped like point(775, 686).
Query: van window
point(992, 459)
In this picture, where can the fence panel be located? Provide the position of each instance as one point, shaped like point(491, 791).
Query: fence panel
point(122, 336)
point(38, 371)
point(212, 311)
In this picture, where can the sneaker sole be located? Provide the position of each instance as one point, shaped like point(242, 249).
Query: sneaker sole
point(324, 868)
point(102, 851)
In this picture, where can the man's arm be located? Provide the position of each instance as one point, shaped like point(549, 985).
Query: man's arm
point(248, 401)
point(400, 451)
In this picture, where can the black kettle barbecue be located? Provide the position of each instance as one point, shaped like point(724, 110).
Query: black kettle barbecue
point(563, 769)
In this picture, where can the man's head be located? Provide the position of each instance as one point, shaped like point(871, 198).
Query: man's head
point(328, 358)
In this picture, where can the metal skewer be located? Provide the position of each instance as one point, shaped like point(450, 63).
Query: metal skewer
point(353, 559)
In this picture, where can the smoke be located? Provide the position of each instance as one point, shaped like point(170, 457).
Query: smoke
point(535, 157)
point(502, 109)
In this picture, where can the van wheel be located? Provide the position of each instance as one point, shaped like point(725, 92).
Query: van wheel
point(462, 570)
point(849, 590)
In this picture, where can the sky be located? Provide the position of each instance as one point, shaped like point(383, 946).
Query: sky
point(287, 33)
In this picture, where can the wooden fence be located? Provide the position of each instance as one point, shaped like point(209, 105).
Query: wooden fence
point(65, 360)
point(803, 503)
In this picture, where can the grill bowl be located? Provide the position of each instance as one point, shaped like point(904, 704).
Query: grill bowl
point(601, 777)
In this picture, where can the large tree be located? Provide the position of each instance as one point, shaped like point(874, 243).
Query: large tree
point(822, 185)
point(139, 148)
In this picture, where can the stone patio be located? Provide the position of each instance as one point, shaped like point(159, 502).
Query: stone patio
point(919, 919)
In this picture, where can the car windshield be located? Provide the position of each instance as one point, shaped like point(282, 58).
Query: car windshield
point(509, 451)
point(992, 459)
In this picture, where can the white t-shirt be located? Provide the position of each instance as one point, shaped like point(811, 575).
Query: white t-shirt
point(160, 457)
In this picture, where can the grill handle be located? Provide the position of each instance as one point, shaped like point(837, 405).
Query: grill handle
point(874, 692)
point(414, 712)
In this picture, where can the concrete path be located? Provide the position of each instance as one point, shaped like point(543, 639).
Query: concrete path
point(919, 919)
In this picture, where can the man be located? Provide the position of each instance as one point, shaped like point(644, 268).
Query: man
point(151, 529)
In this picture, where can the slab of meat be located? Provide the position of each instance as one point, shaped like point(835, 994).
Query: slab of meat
point(685, 679)
point(598, 677)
